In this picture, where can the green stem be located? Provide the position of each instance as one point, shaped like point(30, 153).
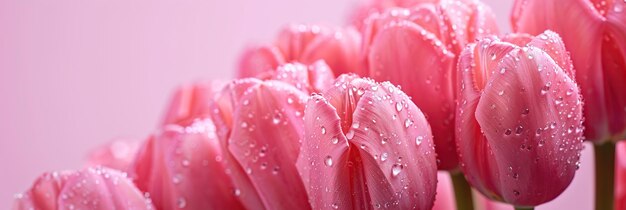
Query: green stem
point(605, 175)
point(462, 192)
point(524, 208)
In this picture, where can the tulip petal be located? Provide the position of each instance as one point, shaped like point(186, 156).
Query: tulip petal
point(407, 55)
point(295, 38)
point(224, 103)
point(257, 61)
point(91, 188)
point(339, 50)
point(173, 167)
point(467, 21)
point(310, 79)
point(265, 140)
point(118, 154)
point(191, 101)
point(614, 66)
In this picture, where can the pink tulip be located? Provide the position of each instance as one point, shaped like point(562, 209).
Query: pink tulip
point(183, 167)
point(595, 34)
point(260, 124)
point(519, 118)
point(191, 101)
point(118, 154)
point(417, 49)
point(338, 47)
point(90, 188)
point(444, 200)
point(366, 145)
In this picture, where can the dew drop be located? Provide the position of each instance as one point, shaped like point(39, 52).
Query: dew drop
point(507, 132)
point(546, 88)
point(328, 161)
point(335, 206)
point(407, 123)
point(323, 130)
point(237, 192)
point(553, 125)
point(350, 134)
point(502, 70)
point(244, 125)
point(334, 140)
point(396, 169)
point(398, 106)
point(516, 193)
point(493, 56)
point(501, 93)
point(384, 156)
point(525, 111)
point(356, 125)
point(289, 100)
point(276, 118)
point(384, 141)
point(519, 130)
point(185, 162)
point(181, 203)
point(418, 140)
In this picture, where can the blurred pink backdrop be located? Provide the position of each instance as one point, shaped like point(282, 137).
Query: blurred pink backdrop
point(76, 74)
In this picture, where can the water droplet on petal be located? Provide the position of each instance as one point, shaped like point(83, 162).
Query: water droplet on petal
point(328, 161)
point(407, 123)
point(507, 132)
point(396, 169)
point(323, 130)
point(398, 106)
point(276, 118)
point(350, 134)
point(181, 203)
point(418, 140)
point(334, 140)
point(519, 130)
point(384, 156)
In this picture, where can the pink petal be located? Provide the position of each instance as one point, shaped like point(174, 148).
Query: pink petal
point(407, 55)
point(265, 141)
point(340, 50)
point(118, 154)
point(91, 188)
point(467, 21)
point(364, 164)
point(224, 102)
point(257, 61)
point(444, 200)
point(191, 101)
point(294, 39)
point(310, 79)
point(614, 66)
point(531, 117)
point(181, 167)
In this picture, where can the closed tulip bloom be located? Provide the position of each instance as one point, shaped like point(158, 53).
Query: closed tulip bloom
point(191, 101)
point(519, 118)
point(594, 32)
point(118, 154)
point(260, 124)
point(338, 47)
point(95, 188)
point(417, 48)
point(183, 167)
point(366, 145)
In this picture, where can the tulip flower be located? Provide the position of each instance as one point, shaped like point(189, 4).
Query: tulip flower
point(417, 49)
point(260, 124)
point(191, 101)
point(519, 118)
point(594, 32)
point(95, 188)
point(338, 47)
point(366, 145)
point(118, 154)
point(182, 166)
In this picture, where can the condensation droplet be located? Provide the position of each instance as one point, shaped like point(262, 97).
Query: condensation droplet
point(328, 161)
point(323, 130)
point(396, 169)
point(418, 140)
point(398, 106)
point(334, 140)
point(350, 134)
point(384, 156)
point(181, 203)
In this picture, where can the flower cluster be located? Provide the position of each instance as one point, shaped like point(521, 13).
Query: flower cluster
point(364, 116)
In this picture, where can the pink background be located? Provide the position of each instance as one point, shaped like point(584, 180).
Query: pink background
point(75, 74)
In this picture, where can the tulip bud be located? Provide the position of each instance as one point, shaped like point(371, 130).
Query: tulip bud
point(594, 32)
point(95, 188)
point(183, 166)
point(417, 49)
point(366, 145)
point(338, 47)
point(519, 118)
